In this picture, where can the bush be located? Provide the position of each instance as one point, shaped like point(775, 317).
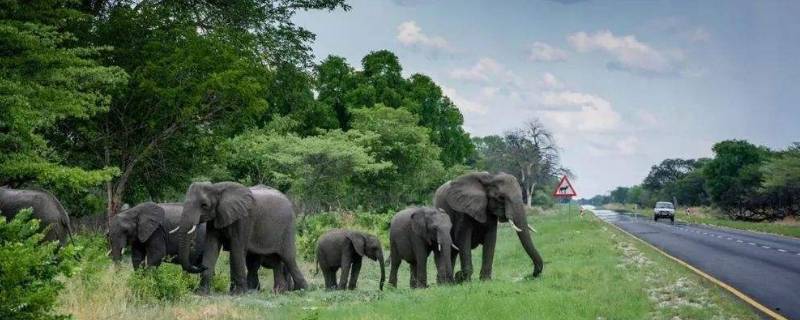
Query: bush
point(165, 283)
point(28, 270)
point(542, 199)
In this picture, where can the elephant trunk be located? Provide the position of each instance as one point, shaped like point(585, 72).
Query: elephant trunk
point(444, 265)
point(516, 214)
point(383, 271)
point(186, 238)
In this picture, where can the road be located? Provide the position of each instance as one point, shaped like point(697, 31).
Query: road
point(764, 267)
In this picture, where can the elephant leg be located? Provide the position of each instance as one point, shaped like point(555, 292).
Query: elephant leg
point(154, 258)
point(422, 269)
point(464, 237)
point(137, 257)
point(253, 264)
point(330, 277)
point(210, 255)
point(394, 265)
point(238, 267)
point(489, 242)
point(299, 282)
point(412, 278)
point(354, 273)
point(279, 276)
point(343, 276)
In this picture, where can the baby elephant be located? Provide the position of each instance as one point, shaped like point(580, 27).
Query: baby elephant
point(146, 228)
point(413, 234)
point(344, 249)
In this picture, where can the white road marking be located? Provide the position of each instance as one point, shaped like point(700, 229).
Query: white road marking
point(750, 243)
point(781, 250)
point(729, 238)
point(739, 241)
point(765, 247)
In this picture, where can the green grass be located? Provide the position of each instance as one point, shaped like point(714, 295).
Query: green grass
point(711, 217)
point(591, 272)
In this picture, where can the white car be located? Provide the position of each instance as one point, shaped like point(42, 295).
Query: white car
point(664, 209)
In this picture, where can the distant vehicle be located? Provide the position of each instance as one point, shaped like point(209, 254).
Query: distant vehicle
point(664, 209)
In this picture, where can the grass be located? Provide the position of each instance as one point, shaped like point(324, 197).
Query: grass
point(705, 215)
point(591, 272)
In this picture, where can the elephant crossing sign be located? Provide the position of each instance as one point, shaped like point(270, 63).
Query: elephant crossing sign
point(564, 189)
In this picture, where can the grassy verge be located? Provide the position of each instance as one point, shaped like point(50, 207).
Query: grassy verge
point(704, 215)
point(591, 272)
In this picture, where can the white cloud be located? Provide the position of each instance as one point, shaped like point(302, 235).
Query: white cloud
point(549, 81)
point(576, 111)
point(630, 53)
point(541, 51)
point(463, 104)
point(699, 34)
point(487, 70)
point(410, 34)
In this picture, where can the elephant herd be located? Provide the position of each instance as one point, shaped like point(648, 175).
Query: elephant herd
point(256, 225)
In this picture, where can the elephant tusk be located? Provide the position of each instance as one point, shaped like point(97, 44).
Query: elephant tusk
point(123, 251)
point(454, 247)
point(108, 253)
point(174, 230)
point(532, 229)
point(517, 229)
point(440, 247)
point(191, 230)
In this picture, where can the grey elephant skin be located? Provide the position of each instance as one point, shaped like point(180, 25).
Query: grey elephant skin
point(339, 248)
point(475, 203)
point(45, 208)
point(145, 228)
point(414, 233)
point(256, 225)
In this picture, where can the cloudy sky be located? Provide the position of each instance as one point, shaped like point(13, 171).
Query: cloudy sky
point(623, 84)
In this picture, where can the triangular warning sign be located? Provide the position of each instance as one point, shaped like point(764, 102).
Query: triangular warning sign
point(564, 189)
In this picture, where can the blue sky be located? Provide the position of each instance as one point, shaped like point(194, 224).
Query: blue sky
point(622, 84)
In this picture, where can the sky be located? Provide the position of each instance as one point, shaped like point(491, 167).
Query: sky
point(621, 84)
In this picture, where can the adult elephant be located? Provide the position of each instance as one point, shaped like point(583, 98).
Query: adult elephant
point(249, 222)
point(45, 208)
point(475, 203)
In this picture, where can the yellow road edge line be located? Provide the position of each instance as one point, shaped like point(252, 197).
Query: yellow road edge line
point(708, 277)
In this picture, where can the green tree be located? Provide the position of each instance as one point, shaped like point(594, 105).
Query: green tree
point(334, 80)
point(733, 177)
point(415, 167)
point(46, 79)
point(782, 178)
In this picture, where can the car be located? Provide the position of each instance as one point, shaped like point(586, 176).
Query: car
point(664, 209)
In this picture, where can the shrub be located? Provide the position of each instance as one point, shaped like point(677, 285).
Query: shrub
point(28, 270)
point(165, 283)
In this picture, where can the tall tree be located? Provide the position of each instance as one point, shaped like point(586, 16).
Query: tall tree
point(45, 78)
point(733, 177)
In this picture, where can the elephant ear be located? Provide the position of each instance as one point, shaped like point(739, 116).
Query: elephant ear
point(419, 225)
point(150, 216)
point(358, 241)
point(468, 195)
point(234, 203)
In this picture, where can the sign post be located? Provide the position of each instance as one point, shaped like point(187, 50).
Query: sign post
point(564, 191)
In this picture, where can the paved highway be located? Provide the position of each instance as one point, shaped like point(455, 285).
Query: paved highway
point(764, 267)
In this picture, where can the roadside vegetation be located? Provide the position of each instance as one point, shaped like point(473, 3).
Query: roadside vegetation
point(742, 182)
point(591, 272)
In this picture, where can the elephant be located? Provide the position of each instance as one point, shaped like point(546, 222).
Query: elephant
point(255, 224)
point(45, 207)
point(475, 202)
point(146, 228)
point(339, 248)
point(413, 233)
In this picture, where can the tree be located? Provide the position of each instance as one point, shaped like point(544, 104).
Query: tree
point(415, 170)
point(782, 178)
point(668, 171)
point(619, 195)
point(334, 79)
point(733, 178)
point(46, 79)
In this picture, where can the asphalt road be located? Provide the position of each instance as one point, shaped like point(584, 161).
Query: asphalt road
point(764, 267)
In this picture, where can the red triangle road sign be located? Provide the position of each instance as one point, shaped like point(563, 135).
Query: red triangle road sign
point(564, 189)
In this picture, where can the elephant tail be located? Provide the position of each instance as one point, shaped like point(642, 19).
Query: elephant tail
point(316, 263)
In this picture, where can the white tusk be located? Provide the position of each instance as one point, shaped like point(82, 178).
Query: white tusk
point(192, 230)
point(108, 253)
point(454, 247)
point(517, 229)
point(123, 251)
point(174, 230)
point(145, 261)
point(440, 247)
point(532, 229)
